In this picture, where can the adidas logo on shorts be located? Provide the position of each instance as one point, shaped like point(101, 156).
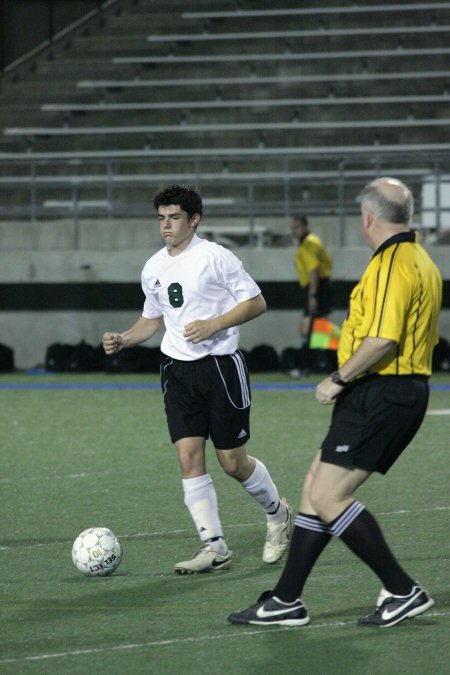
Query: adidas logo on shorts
point(242, 433)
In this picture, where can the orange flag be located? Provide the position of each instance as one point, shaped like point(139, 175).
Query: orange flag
point(324, 334)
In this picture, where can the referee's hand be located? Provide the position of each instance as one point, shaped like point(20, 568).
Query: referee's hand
point(326, 391)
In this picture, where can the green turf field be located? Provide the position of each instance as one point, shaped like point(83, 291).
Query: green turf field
point(76, 457)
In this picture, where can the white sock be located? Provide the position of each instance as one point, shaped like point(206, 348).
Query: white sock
point(201, 500)
point(262, 488)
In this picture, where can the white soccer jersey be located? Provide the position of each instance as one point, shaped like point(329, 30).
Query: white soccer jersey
point(204, 281)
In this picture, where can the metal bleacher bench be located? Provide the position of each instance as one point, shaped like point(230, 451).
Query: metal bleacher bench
point(286, 34)
point(207, 178)
point(84, 204)
point(243, 126)
point(76, 204)
point(307, 11)
point(255, 80)
point(225, 152)
point(224, 233)
point(245, 103)
point(284, 56)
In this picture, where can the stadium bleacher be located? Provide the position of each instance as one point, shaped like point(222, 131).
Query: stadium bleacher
point(260, 104)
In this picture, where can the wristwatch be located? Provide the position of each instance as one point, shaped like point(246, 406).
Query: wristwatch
point(337, 379)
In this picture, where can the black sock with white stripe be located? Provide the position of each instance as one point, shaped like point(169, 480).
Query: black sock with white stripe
point(309, 538)
point(359, 530)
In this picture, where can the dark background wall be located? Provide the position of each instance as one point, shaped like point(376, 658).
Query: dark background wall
point(25, 24)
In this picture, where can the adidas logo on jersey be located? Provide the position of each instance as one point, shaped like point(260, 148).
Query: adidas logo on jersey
point(242, 433)
point(157, 284)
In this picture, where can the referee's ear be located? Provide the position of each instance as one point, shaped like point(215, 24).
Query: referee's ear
point(368, 219)
point(367, 226)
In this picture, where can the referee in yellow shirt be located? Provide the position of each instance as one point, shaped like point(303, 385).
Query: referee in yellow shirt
point(314, 265)
point(381, 394)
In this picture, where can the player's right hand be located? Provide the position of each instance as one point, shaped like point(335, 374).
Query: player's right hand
point(112, 343)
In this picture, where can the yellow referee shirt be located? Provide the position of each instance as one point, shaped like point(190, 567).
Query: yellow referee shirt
point(398, 298)
point(312, 255)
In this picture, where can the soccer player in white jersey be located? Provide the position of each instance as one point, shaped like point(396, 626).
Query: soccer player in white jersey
point(202, 293)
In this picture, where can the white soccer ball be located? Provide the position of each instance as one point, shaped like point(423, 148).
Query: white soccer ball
point(97, 552)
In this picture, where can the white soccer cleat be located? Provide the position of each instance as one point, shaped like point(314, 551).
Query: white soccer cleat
point(278, 537)
point(206, 560)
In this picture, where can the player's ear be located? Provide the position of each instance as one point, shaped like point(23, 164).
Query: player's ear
point(196, 218)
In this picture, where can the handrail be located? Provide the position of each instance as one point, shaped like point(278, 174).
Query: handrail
point(242, 193)
point(366, 152)
point(56, 37)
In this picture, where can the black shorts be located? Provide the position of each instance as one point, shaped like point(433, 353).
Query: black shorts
point(324, 298)
point(373, 421)
point(209, 397)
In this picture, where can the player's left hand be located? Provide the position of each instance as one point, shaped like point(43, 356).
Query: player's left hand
point(199, 330)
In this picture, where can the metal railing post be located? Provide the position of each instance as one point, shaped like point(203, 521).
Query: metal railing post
point(341, 203)
point(76, 233)
point(286, 188)
point(437, 197)
point(109, 189)
point(33, 192)
point(251, 213)
point(2, 38)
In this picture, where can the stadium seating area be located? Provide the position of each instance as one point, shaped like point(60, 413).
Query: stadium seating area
point(267, 110)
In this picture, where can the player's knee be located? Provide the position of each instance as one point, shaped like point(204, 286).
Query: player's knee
point(237, 467)
point(321, 500)
point(191, 464)
point(232, 468)
point(236, 463)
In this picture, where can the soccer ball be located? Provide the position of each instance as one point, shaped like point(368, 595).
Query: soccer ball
point(97, 552)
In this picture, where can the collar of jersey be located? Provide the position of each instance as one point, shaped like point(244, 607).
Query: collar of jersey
point(396, 239)
point(194, 241)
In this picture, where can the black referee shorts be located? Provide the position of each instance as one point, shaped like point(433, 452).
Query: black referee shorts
point(209, 398)
point(324, 298)
point(373, 421)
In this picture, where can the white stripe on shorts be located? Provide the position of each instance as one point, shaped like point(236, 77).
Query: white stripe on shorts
point(240, 367)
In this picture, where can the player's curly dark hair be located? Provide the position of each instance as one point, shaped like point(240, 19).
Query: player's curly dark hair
point(184, 196)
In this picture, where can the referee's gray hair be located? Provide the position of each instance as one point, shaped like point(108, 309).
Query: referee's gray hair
point(392, 211)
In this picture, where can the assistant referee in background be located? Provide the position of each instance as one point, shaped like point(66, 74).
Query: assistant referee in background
point(381, 395)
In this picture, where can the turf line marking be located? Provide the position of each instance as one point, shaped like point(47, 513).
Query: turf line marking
point(402, 511)
point(140, 535)
point(68, 476)
point(188, 640)
point(139, 386)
